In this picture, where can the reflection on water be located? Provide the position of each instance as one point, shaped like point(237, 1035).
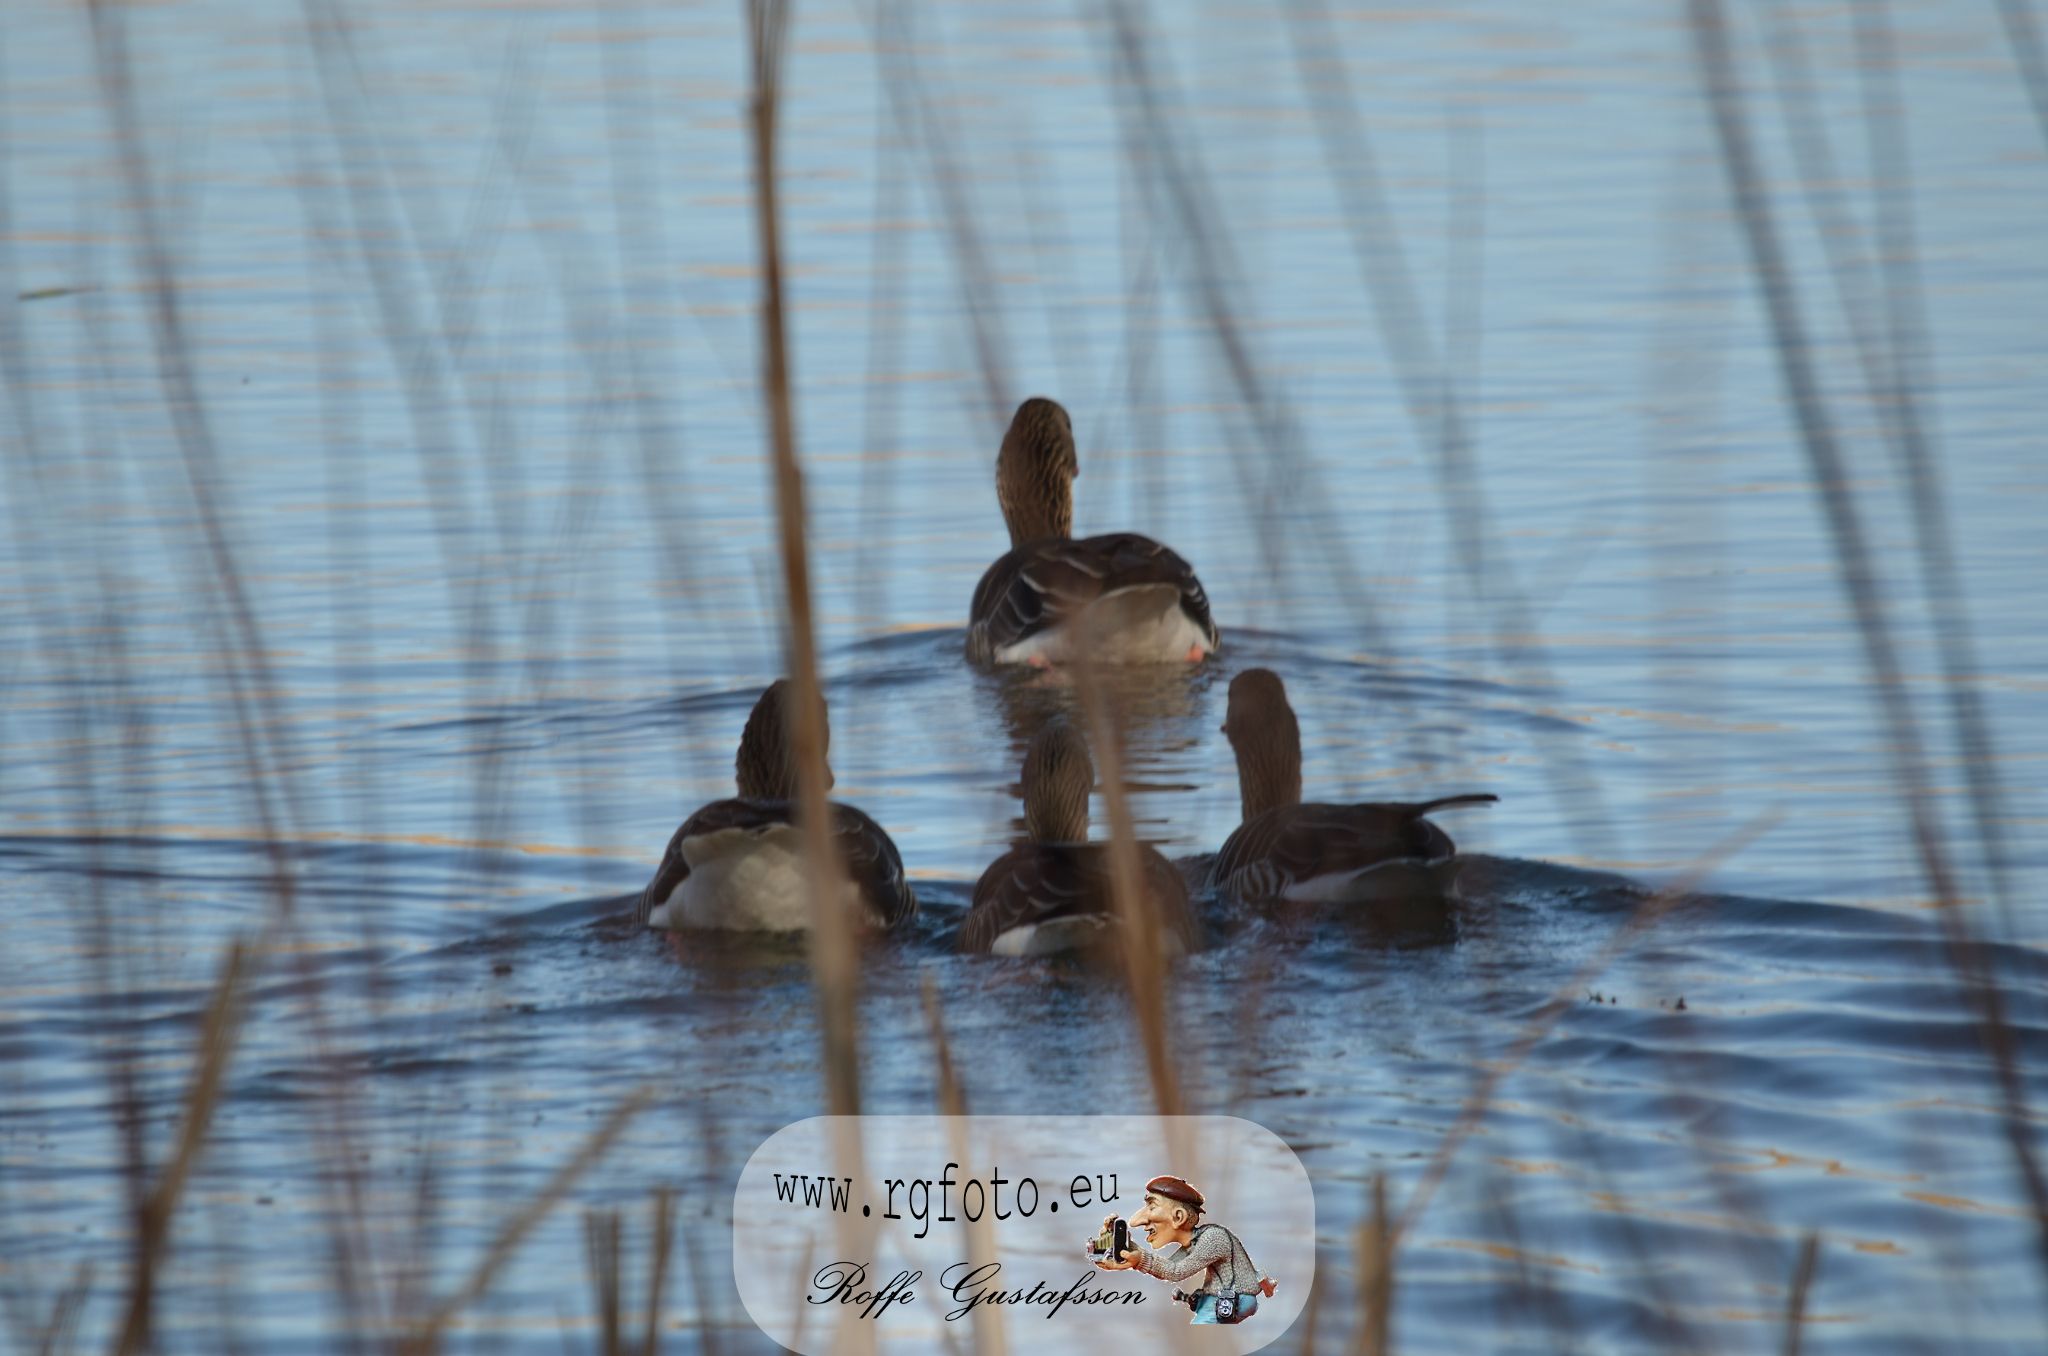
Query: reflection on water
point(1750, 1070)
point(1158, 711)
point(514, 599)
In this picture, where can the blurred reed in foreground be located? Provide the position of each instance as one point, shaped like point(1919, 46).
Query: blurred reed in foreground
point(417, 279)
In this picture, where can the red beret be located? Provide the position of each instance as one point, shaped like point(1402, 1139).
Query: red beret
point(1174, 1189)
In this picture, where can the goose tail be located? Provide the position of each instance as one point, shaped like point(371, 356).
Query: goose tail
point(1425, 807)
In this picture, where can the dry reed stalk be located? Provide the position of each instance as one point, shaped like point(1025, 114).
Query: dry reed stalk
point(989, 1337)
point(708, 1340)
point(630, 111)
point(1378, 1241)
point(664, 1226)
point(1970, 962)
point(1429, 389)
point(604, 1236)
point(1662, 1295)
point(216, 1044)
point(1829, 466)
point(887, 287)
point(952, 1097)
point(1138, 920)
point(1154, 140)
point(1802, 1285)
point(601, 1244)
point(833, 946)
point(2029, 55)
point(921, 119)
point(427, 1337)
point(98, 684)
point(427, 331)
point(1311, 1317)
point(56, 1335)
point(799, 1279)
point(1891, 353)
point(349, 1247)
point(1538, 1026)
point(252, 685)
point(1910, 371)
point(832, 942)
point(1533, 1293)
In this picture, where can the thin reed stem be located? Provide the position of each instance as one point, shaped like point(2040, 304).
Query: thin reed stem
point(1802, 1286)
point(514, 1231)
point(1857, 569)
point(202, 1099)
point(1138, 920)
point(832, 943)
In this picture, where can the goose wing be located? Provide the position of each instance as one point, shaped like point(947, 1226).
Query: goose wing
point(874, 865)
point(1041, 584)
point(1037, 883)
point(1290, 845)
point(716, 817)
point(872, 862)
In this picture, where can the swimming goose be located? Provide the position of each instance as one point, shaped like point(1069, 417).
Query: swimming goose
point(1135, 600)
point(737, 865)
point(1318, 853)
point(1053, 893)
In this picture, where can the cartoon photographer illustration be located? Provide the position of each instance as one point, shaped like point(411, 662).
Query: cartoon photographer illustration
point(1228, 1282)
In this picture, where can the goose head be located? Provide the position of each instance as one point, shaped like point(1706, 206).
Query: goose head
point(1035, 472)
point(1058, 775)
point(1267, 741)
point(766, 766)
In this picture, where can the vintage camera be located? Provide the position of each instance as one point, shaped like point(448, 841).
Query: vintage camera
point(1113, 1242)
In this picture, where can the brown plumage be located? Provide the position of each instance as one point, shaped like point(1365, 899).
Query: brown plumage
point(1285, 849)
point(1055, 892)
point(1035, 472)
point(1144, 599)
point(1267, 741)
point(1058, 778)
point(765, 766)
point(763, 818)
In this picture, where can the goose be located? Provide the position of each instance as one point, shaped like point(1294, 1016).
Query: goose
point(1312, 852)
point(1052, 893)
point(737, 865)
point(1121, 598)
